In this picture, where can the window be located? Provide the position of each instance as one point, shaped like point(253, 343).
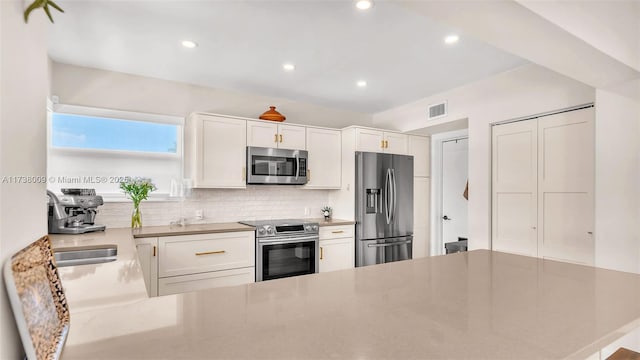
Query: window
point(87, 132)
point(98, 148)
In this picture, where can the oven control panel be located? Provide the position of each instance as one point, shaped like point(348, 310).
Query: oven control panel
point(279, 230)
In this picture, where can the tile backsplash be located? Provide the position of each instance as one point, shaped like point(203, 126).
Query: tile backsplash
point(221, 205)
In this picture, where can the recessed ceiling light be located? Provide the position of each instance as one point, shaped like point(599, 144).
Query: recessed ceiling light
point(451, 39)
point(189, 44)
point(361, 83)
point(288, 67)
point(364, 4)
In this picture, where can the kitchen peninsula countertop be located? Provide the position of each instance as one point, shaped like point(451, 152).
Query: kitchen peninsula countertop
point(477, 304)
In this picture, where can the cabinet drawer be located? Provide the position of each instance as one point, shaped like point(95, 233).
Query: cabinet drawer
point(186, 283)
point(336, 232)
point(191, 254)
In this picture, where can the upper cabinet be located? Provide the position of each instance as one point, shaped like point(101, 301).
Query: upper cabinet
point(215, 151)
point(274, 135)
point(325, 158)
point(372, 140)
point(420, 148)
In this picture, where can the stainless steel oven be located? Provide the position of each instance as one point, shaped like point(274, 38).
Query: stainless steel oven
point(276, 166)
point(285, 248)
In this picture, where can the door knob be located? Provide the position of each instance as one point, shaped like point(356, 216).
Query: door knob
point(446, 218)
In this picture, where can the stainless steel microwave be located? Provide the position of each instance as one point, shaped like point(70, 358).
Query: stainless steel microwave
point(276, 166)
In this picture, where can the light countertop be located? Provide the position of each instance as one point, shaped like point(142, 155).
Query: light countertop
point(332, 222)
point(477, 304)
point(191, 229)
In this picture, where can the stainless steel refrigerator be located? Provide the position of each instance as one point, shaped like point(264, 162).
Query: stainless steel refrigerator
point(384, 208)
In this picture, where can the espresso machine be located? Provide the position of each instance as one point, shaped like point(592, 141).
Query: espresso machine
point(74, 212)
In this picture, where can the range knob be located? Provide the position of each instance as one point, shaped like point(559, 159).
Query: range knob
point(314, 227)
point(261, 231)
point(270, 230)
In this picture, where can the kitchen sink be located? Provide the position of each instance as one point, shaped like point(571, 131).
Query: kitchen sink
point(85, 255)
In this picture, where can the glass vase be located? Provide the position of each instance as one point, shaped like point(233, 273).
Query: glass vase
point(136, 217)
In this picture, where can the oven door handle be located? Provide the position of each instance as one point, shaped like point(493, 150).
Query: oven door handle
point(289, 241)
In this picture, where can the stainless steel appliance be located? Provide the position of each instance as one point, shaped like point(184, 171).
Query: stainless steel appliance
point(74, 212)
point(285, 248)
point(384, 208)
point(276, 166)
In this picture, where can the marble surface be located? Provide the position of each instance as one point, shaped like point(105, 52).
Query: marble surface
point(472, 305)
point(332, 222)
point(191, 229)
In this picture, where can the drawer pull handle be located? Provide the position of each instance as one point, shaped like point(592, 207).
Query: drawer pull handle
point(210, 252)
point(337, 232)
point(321, 253)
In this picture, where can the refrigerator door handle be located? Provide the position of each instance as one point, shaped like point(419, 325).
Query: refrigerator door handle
point(387, 197)
point(390, 244)
point(394, 202)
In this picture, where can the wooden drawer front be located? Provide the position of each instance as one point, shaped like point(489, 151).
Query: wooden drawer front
point(186, 283)
point(336, 232)
point(192, 254)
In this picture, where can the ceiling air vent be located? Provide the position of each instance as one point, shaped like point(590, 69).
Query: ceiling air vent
point(437, 110)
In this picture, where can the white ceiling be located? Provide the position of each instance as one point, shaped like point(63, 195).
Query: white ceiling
point(243, 44)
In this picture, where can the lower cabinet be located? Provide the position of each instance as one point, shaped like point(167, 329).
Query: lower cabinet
point(147, 249)
point(183, 263)
point(337, 248)
point(186, 283)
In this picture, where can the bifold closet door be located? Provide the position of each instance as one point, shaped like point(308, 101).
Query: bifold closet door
point(566, 152)
point(514, 188)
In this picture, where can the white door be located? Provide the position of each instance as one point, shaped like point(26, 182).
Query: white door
point(395, 143)
point(262, 134)
point(565, 186)
point(291, 137)
point(216, 136)
point(514, 190)
point(454, 180)
point(421, 220)
point(369, 140)
point(324, 170)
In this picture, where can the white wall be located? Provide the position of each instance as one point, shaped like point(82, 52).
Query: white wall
point(76, 85)
point(617, 193)
point(525, 91)
point(24, 85)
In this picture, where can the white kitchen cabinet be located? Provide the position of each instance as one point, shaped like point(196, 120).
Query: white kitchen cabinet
point(182, 263)
point(420, 148)
point(274, 135)
point(208, 280)
point(147, 249)
point(395, 143)
point(215, 151)
point(337, 248)
point(190, 254)
point(372, 140)
point(325, 158)
point(421, 219)
point(543, 184)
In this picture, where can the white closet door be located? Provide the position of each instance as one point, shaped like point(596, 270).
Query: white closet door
point(514, 197)
point(565, 186)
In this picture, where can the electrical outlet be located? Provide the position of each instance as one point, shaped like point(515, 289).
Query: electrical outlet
point(199, 214)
